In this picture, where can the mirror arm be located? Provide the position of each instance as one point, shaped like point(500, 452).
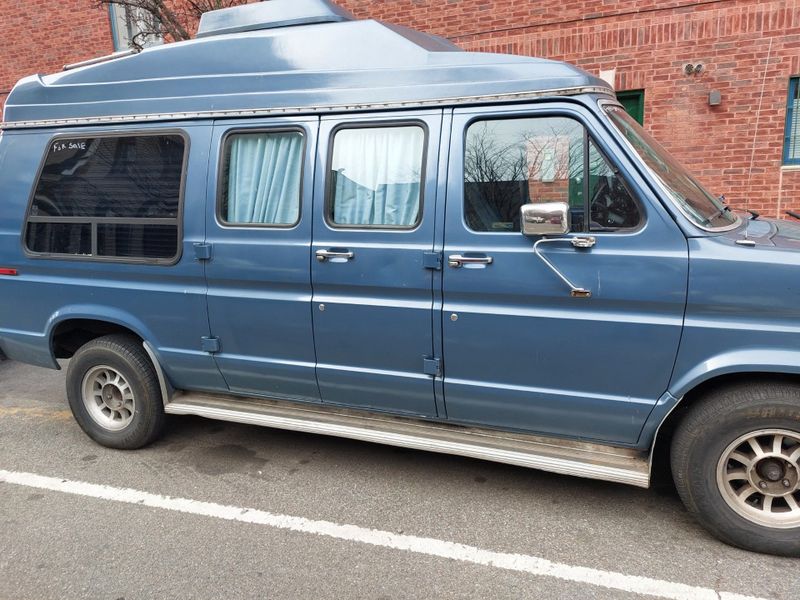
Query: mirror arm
point(577, 242)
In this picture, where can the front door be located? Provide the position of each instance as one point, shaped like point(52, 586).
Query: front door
point(374, 218)
point(520, 351)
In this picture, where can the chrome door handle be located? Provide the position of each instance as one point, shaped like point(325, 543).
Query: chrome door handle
point(343, 255)
point(458, 260)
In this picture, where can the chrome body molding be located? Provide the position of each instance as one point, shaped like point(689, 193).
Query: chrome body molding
point(101, 59)
point(567, 457)
point(304, 110)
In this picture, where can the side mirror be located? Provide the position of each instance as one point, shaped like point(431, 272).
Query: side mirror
point(547, 218)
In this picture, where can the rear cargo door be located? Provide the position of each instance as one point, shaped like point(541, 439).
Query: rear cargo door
point(258, 256)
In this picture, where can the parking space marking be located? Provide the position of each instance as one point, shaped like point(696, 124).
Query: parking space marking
point(42, 413)
point(375, 537)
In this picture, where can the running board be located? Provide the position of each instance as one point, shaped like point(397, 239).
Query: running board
point(568, 457)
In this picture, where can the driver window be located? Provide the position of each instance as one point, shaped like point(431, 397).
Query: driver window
point(611, 205)
point(511, 162)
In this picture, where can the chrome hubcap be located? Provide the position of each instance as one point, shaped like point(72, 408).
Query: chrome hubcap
point(759, 477)
point(108, 398)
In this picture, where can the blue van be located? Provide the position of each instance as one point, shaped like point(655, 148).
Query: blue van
point(310, 222)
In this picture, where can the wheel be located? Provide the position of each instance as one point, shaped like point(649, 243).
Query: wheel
point(736, 464)
point(114, 394)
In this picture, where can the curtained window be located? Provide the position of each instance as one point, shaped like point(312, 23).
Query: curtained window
point(376, 176)
point(262, 179)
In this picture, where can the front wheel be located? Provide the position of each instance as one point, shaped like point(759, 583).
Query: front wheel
point(736, 464)
point(114, 394)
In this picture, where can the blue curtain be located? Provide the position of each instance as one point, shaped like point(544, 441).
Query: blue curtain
point(264, 177)
point(396, 204)
point(377, 176)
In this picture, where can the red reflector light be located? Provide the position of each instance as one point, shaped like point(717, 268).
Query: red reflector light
point(11, 272)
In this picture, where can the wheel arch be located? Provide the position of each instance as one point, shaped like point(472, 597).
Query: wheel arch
point(72, 327)
point(665, 430)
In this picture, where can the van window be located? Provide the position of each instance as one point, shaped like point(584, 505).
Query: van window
point(109, 197)
point(511, 162)
point(261, 179)
point(376, 176)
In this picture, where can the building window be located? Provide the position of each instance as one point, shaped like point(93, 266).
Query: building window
point(791, 153)
point(376, 177)
point(109, 198)
point(633, 103)
point(261, 179)
point(129, 27)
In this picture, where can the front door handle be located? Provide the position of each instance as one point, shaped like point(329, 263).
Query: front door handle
point(459, 260)
point(334, 255)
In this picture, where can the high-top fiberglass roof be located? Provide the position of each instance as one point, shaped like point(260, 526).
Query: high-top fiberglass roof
point(284, 55)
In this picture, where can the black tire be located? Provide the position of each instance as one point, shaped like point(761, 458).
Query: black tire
point(142, 421)
point(708, 432)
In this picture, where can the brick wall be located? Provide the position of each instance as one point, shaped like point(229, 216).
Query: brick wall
point(646, 42)
point(41, 36)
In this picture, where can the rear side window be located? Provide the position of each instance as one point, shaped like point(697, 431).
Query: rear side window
point(375, 178)
point(109, 198)
point(261, 179)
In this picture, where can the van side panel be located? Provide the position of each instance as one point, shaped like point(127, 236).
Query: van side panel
point(165, 305)
point(741, 317)
point(22, 337)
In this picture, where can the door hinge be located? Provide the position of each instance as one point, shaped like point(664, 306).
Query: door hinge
point(202, 251)
point(210, 344)
point(432, 366)
point(432, 260)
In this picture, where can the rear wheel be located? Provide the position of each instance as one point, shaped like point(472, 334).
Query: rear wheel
point(736, 464)
point(114, 393)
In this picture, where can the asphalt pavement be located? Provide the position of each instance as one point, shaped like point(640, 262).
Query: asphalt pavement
point(288, 515)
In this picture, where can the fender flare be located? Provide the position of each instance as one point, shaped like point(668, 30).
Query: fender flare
point(96, 312)
point(740, 361)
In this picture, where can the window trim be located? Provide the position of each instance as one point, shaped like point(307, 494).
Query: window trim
point(95, 221)
point(794, 93)
point(221, 183)
point(328, 203)
point(587, 137)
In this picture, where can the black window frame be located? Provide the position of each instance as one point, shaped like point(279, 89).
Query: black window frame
point(222, 180)
point(328, 204)
point(587, 138)
point(95, 221)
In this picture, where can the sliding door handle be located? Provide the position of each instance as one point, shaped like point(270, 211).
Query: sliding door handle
point(459, 260)
point(334, 255)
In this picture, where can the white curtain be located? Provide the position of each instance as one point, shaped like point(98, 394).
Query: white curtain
point(377, 176)
point(264, 178)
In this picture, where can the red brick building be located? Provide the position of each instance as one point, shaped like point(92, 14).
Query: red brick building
point(708, 115)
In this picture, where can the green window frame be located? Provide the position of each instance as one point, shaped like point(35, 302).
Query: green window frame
point(633, 103)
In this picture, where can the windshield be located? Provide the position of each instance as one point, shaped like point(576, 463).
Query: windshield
point(697, 203)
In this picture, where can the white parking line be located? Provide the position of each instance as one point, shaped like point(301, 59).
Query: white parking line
point(386, 539)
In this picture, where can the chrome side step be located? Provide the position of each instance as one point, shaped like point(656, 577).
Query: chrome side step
point(581, 459)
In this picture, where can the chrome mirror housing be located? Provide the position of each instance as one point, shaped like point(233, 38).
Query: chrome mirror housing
point(546, 218)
